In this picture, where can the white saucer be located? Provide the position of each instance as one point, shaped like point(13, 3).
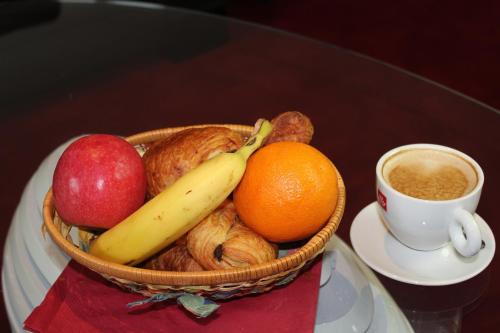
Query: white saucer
point(381, 251)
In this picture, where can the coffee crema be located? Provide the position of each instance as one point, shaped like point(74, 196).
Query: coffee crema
point(430, 174)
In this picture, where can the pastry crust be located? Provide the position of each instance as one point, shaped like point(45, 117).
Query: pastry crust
point(176, 258)
point(221, 241)
point(291, 126)
point(170, 158)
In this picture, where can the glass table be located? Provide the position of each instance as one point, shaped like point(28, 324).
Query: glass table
point(71, 67)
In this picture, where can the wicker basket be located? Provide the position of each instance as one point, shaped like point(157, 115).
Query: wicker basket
point(220, 284)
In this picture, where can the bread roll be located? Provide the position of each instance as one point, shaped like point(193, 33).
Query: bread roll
point(175, 258)
point(291, 126)
point(221, 241)
point(170, 158)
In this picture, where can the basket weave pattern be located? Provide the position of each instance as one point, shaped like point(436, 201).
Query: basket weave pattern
point(218, 284)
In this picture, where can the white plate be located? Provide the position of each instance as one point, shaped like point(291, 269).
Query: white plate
point(17, 305)
point(381, 251)
point(26, 275)
point(352, 299)
point(48, 258)
point(13, 311)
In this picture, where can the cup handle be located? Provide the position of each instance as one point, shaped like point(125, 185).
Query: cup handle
point(464, 233)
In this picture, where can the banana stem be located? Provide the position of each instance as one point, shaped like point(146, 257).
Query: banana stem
point(256, 140)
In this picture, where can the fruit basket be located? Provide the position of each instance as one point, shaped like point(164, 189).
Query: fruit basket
point(218, 284)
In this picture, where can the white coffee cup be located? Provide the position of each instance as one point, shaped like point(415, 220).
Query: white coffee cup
point(418, 194)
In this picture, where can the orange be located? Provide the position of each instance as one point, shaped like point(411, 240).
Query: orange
point(288, 191)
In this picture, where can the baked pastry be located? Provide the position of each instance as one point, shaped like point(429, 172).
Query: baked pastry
point(175, 258)
point(168, 159)
point(291, 126)
point(221, 241)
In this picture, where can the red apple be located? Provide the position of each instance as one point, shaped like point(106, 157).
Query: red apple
point(99, 180)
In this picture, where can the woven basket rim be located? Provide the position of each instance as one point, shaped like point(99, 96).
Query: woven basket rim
point(313, 246)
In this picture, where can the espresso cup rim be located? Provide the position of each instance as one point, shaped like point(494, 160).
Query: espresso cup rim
point(393, 151)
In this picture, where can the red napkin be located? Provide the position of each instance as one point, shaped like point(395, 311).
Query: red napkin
point(82, 301)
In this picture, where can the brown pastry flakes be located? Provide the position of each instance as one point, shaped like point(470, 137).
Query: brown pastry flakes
point(169, 159)
point(291, 126)
point(221, 241)
point(175, 258)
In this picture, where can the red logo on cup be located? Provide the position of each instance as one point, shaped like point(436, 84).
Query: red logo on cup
point(382, 200)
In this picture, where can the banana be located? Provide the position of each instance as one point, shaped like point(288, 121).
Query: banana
point(179, 207)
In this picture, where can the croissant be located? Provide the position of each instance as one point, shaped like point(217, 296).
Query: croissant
point(176, 258)
point(221, 241)
point(291, 126)
point(168, 159)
